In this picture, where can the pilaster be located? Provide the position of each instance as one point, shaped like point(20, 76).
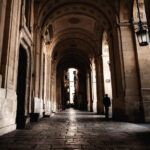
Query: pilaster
point(130, 75)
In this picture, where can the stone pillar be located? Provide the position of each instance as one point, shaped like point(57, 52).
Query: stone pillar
point(37, 62)
point(38, 103)
point(9, 45)
point(51, 94)
point(143, 59)
point(41, 71)
point(59, 75)
point(117, 74)
point(54, 93)
point(130, 80)
point(90, 88)
point(100, 84)
point(2, 23)
point(88, 92)
point(53, 86)
point(48, 101)
point(94, 86)
point(32, 17)
point(41, 75)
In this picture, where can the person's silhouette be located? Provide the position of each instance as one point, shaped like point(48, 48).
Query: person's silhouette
point(107, 103)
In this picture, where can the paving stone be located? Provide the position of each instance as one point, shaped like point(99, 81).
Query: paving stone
point(81, 131)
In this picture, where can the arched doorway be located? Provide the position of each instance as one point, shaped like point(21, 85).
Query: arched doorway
point(21, 88)
point(69, 88)
point(75, 89)
point(71, 85)
point(107, 69)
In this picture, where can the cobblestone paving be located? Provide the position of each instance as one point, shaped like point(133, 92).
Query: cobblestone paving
point(76, 130)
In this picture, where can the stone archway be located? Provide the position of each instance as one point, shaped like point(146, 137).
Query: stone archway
point(79, 25)
point(73, 51)
point(81, 89)
point(107, 74)
point(23, 88)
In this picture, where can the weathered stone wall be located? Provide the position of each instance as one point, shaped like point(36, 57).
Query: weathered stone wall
point(8, 51)
point(132, 97)
point(2, 22)
point(146, 91)
point(8, 107)
point(143, 60)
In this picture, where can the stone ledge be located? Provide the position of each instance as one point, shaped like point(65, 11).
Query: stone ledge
point(7, 129)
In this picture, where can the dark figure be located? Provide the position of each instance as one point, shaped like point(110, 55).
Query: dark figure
point(75, 101)
point(107, 103)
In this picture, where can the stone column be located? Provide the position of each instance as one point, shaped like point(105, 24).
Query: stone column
point(129, 74)
point(117, 73)
point(48, 84)
point(88, 91)
point(41, 70)
point(32, 17)
point(41, 75)
point(143, 59)
point(94, 86)
point(59, 75)
point(2, 23)
point(9, 45)
point(100, 84)
point(53, 86)
point(51, 94)
point(37, 62)
point(54, 92)
point(38, 103)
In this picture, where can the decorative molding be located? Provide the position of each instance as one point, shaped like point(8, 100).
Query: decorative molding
point(25, 34)
point(145, 89)
point(124, 24)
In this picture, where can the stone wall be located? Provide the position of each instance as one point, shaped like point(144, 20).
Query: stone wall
point(8, 107)
point(9, 27)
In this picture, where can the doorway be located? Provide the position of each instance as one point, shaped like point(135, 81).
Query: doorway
point(21, 88)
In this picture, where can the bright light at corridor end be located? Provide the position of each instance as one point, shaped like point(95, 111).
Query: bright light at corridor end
point(71, 84)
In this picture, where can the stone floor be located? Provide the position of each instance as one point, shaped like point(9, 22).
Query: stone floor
point(72, 129)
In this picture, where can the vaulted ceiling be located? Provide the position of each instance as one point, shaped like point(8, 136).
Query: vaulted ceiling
point(77, 24)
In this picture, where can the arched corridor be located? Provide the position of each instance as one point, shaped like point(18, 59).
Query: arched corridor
point(62, 55)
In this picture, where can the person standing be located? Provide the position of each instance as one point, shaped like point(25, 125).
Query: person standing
point(107, 103)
